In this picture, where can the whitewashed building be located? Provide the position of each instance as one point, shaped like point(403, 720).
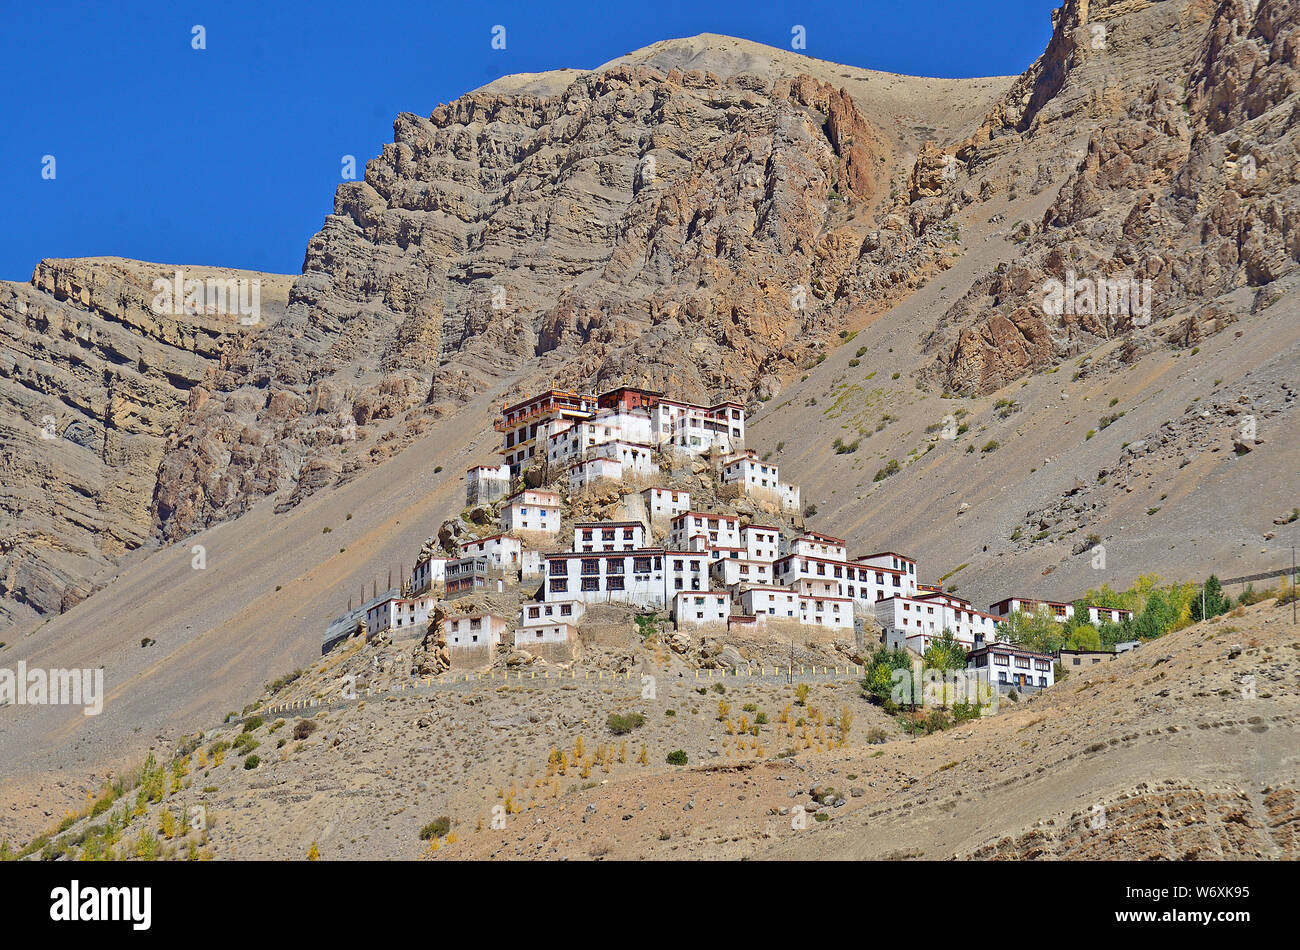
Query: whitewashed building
point(758, 479)
point(904, 566)
point(693, 608)
point(776, 602)
point(1005, 667)
point(532, 511)
point(601, 536)
point(835, 613)
point(503, 552)
point(812, 544)
point(484, 484)
point(429, 574)
point(685, 570)
point(736, 573)
point(593, 472)
point(665, 503)
point(400, 615)
point(717, 530)
point(917, 621)
point(635, 577)
point(761, 542)
point(474, 630)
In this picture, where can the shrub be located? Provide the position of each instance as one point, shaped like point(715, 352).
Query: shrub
point(990, 446)
point(254, 723)
point(252, 761)
point(676, 757)
point(244, 743)
point(891, 468)
point(622, 723)
point(438, 828)
point(303, 729)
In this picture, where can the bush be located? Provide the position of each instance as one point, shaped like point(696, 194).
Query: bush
point(303, 729)
point(676, 757)
point(891, 468)
point(244, 743)
point(252, 762)
point(438, 828)
point(990, 446)
point(254, 723)
point(622, 723)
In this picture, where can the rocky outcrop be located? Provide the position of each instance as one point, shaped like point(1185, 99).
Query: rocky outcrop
point(675, 228)
point(1188, 194)
point(92, 381)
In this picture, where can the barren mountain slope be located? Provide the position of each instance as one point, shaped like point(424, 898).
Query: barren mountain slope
point(1183, 749)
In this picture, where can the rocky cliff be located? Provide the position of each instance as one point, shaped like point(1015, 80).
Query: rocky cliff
point(1186, 189)
point(92, 382)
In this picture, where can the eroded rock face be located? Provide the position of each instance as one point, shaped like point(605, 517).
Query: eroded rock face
point(1191, 190)
point(92, 381)
point(660, 227)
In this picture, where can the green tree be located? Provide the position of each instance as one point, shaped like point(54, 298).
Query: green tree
point(1215, 602)
point(945, 653)
point(1038, 631)
point(879, 681)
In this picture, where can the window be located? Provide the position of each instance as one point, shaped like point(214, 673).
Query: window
point(614, 583)
point(614, 565)
point(1002, 676)
point(641, 565)
point(591, 583)
point(591, 566)
point(476, 624)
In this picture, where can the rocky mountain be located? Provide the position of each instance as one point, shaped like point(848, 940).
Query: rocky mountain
point(1187, 188)
point(92, 383)
point(862, 257)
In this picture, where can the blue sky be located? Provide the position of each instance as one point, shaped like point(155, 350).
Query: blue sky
point(230, 155)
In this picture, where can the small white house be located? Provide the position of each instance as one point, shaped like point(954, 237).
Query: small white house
point(814, 545)
point(774, 602)
point(592, 472)
point(665, 503)
point(693, 608)
point(834, 613)
point(541, 634)
point(1008, 605)
point(532, 511)
point(503, 552)
point(400, 615)
point(484, 484)
point(474, 630)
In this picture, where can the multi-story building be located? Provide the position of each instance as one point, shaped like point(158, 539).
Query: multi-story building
point(739, 572)
point(778, 602)
point(521, 423)
point(758, 479)
point(399, 614)
point(717, 530)
point(608, 536)
point(903, 566)
point(429, 574)
point(503, 552)
point(474, 630)
point(633, 577)
point(1005, 666)
point(917, 621)
point(467, 574)
point(761, 542)
point(532, 511)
